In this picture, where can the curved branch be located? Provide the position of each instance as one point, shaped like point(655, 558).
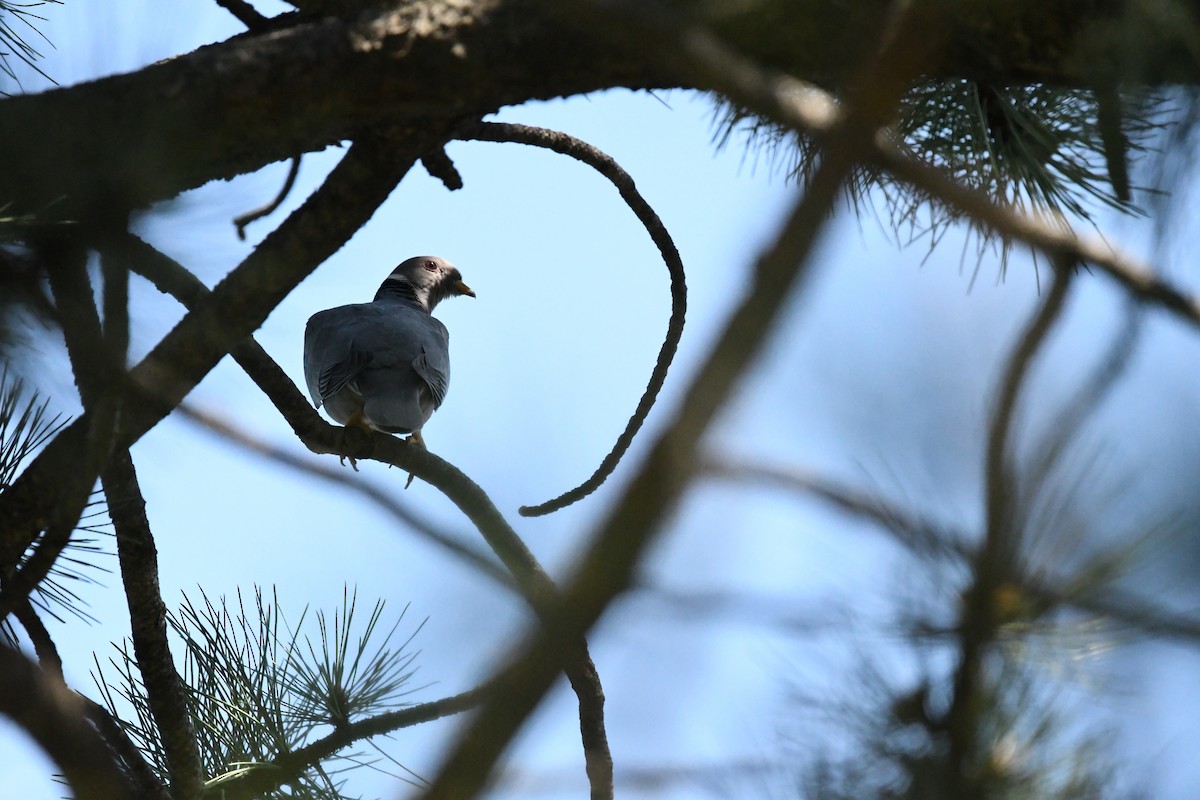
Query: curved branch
point(655, 492)
point(242, 220)
point(604, 164)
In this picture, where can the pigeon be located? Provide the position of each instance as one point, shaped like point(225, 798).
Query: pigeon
point(385, 365)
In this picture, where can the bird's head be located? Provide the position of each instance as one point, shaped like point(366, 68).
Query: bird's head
point(427, 280)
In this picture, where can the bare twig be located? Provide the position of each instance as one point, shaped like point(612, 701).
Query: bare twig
point(247, 14)
point(240, 222)
point(55, 717)
point(439, 166)
point(609, 168)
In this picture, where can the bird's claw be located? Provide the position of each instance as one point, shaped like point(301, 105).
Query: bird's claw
point(417, 440)
point(353, 462)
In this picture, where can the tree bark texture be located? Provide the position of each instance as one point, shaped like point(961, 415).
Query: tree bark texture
point(304, 82)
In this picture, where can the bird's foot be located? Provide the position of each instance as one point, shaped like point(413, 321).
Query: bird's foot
point(354, 424)
point(417, 440)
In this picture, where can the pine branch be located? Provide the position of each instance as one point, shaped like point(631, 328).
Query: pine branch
point(287, 768)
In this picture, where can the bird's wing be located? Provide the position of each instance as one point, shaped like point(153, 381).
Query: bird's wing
point(331, 359)
point(433, 366)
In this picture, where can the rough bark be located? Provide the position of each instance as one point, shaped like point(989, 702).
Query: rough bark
point(305, 82)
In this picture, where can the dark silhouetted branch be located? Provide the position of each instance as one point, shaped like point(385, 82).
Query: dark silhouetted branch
point(609, 168)
point(240, 222)
point(247, 14)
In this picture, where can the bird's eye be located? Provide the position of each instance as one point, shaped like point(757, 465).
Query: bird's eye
point(429, 265)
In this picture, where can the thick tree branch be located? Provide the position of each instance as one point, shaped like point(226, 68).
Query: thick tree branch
point(609, 168)
point(305, 81)
point(233, 107)
point(97, 355)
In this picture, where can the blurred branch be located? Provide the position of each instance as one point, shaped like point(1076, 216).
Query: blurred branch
point(56, 718)
point(609, 168)
point(261, 781)
point(242, 220)
point(921, 535)
point(996, 563)
point(655, 490)
point(804, 107)
point(70, 485)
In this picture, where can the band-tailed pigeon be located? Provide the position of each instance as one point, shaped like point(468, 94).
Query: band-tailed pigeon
point(385, 365)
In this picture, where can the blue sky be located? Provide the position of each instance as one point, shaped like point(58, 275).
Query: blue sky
point(880, 376)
